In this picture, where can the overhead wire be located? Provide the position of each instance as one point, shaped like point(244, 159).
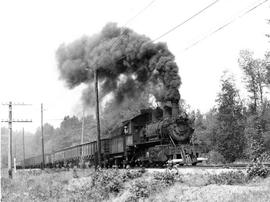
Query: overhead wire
point(181, 24)
point(226, 24)
point(185, 21)
point(130, 20)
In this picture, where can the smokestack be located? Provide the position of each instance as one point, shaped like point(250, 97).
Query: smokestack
point(175, 108)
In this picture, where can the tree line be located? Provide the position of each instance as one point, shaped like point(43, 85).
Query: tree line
point(238, 128)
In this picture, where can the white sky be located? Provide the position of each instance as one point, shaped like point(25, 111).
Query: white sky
point(32, 30)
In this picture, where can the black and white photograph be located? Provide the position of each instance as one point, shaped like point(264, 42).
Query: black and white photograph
point(126, 101)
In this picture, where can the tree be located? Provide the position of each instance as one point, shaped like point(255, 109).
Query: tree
point(255, 71)
point(254, 136)
point(69, 132)
point(199, 136)
point(267, 65)
point(205, 132)
point(256, 76)
point(230, 121)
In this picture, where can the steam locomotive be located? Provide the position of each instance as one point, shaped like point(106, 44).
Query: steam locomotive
point(150, 138)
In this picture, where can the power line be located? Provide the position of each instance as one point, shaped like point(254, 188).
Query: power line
point(225, 25)
point(130, 20)
point(139, 13)
point(181, 24)
point(177, 26)
point(185, 21)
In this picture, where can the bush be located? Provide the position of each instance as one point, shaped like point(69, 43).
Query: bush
point(100, 185)
point(265, 157)
point(109, 181)
point(215, 157)
point(167, 178)
point(257, 169)
point(139, 189)
point(142, 188)
point(228, 178)
point(130, 175)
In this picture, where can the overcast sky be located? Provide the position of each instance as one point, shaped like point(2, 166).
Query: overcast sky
point(31, 31)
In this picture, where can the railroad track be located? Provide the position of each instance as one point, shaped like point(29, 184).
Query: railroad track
point(227, 166)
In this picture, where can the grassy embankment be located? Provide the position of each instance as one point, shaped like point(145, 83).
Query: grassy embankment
point(123, 185)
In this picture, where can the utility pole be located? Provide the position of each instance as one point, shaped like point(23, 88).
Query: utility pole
point(97, 117)
point(10, 140)
point(10, 121)
point(82, 139)
point(82, 128)
point(23, 149)
point(42, 139)
point(15, 148)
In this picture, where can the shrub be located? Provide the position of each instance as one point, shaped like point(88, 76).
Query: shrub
point(130, 174)
point(167, 178)
point(142, 188)
point(139, 189)
point(228, 178)
point(215, 157)
point(100, 185)
point(108, 181)
point(257, 169)
point(265, 157)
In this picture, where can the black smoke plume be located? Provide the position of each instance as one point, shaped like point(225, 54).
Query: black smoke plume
point(127, 63)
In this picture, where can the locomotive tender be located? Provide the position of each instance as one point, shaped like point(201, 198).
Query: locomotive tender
point(150, 138)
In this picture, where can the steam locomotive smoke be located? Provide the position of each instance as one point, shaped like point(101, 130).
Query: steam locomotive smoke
point(127, 64)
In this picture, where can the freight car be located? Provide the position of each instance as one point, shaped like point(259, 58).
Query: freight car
point(150, 138)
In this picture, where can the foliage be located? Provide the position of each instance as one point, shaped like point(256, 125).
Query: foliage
point(205, 130)
point(228, 178)
point(253, 134)
point(230, 121)
point(142, 188)
point(105, 183)
point(167, 178)
point(256, 72)
point(215, 157)
point(255, 77)
point(139, 189)
point(258, 169)
point(60, 186)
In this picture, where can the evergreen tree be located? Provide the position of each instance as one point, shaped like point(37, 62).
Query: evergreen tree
point(254, 136)
point(229, 122)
